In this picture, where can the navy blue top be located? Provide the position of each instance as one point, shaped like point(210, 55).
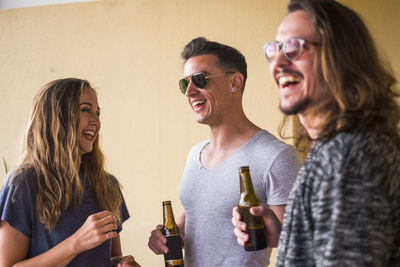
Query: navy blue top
point(19, 211)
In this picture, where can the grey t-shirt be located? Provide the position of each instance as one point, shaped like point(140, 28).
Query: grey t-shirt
point(208, 197)
point(344, 209)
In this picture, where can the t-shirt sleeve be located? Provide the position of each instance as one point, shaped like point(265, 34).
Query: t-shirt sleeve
point(281, 176)
point(124, 213)
point(123, 209)
point(16, 205)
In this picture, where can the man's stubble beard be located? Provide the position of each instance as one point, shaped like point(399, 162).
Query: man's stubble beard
point(297, 107)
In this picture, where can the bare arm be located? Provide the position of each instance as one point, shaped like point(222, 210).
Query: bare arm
point(116, 246)
point(14, 245)
point(273, 219)
point(181, 223)
point(279, 211)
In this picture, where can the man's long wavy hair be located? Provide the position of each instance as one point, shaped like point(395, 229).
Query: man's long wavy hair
point(52, 152)
point(359, 86)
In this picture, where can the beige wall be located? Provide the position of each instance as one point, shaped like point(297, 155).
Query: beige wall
point(129, 50)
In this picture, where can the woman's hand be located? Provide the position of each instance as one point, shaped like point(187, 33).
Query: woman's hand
point(97, 228)
point(124, 261)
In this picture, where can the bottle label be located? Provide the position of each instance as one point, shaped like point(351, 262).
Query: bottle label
point(174, 244)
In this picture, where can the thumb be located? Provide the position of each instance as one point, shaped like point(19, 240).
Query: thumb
point(257, 211)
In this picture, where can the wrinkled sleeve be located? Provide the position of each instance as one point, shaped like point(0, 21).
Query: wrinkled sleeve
point(124, 212)
point(123, 209)
point(281, 176)
point(16, 205)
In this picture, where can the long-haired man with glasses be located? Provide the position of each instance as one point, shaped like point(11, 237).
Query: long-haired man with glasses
point(344, 208)
point(213, 84)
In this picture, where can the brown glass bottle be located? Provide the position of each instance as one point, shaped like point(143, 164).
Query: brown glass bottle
point(170, 230)
point(255, 224)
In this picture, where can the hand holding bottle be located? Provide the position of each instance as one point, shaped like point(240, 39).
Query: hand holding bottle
point(157, 241)
point(98, 228)
point(255, 227)
point(240, 226)
point(271, 222)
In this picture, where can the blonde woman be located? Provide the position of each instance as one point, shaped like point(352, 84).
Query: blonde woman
point(60, 207)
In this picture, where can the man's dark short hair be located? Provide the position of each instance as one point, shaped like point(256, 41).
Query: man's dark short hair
point(229, 58)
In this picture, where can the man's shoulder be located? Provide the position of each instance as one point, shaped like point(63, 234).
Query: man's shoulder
point(199, 146)
point(357, 141)
point(267, 142)
point(362, 151)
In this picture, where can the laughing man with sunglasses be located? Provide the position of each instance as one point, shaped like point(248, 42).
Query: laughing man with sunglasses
point(213, 84)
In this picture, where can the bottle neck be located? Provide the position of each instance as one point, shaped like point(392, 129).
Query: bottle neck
point(169, 220)
point(246, 185)
point(248, 197)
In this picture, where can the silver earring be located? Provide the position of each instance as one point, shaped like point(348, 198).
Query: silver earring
point(233, 89)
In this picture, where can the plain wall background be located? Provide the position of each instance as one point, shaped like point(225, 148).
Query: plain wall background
point(7, 4)
point(129, 50)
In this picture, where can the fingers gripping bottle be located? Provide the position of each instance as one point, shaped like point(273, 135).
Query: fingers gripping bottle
point(170, 230)
point(255, 224)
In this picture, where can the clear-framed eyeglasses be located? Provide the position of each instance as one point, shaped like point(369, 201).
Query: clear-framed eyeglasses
point(292, 48)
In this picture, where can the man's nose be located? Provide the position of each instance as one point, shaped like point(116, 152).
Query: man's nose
point(280, 59)
point(191, 88)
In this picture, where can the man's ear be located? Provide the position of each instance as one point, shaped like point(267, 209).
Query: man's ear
point(237, 81)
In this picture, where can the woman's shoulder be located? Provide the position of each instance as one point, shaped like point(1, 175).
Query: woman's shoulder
point(20, 187)
point(24, 177)
point(114, 180)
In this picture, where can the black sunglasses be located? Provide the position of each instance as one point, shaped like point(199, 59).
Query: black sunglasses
point(199, 79)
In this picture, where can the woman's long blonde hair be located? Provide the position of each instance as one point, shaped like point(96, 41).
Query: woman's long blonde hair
point(51, 150)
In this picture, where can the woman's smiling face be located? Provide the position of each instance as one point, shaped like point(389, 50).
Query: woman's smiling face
point(89, 119)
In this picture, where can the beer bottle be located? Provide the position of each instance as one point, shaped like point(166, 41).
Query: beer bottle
point(170, 230)
point(255, 224)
